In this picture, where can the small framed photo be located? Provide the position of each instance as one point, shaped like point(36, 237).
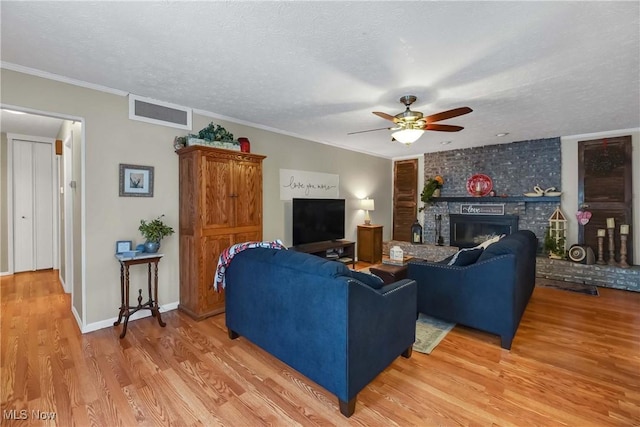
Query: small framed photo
point(123, 246)
point(136, 181)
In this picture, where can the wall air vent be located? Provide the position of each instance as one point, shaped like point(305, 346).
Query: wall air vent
point(159, 113)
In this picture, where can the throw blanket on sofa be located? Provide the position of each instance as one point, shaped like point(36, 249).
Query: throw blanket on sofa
point(227, 255)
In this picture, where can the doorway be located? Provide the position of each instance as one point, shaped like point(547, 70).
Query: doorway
point(68, 193)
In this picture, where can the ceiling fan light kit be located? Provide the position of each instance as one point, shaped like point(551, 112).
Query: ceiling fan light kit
point(410, 125)
point(407, 136)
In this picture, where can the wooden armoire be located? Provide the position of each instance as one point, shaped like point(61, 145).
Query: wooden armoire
point(220, 205)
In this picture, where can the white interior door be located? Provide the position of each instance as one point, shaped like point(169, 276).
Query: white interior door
point(33, 219)
point(24, 259)
point(43, 203)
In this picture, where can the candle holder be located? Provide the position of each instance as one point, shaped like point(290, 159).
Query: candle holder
point(612, 250)
point(600, 251)
point(623, 251)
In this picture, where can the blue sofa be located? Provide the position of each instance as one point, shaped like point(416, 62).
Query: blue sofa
point(489, 294)
point(319, 317)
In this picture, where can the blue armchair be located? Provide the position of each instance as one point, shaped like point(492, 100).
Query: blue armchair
point(490, 294)
point(338, 327)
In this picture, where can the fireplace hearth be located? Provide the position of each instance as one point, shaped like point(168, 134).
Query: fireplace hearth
point(467, 231)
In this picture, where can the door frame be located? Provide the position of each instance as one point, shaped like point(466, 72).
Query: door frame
point(11, 137)
point(67, 161)
point(80, 317)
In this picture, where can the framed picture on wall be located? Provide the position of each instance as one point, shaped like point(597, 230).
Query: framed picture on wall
point(136, 180)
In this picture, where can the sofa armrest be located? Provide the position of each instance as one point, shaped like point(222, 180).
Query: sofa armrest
point(480, 295)
point(382, 325)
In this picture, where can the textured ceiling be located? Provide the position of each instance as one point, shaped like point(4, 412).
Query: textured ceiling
point(317, 70)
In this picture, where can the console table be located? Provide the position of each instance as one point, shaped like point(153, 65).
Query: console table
point(152, 304)
point(344, 250)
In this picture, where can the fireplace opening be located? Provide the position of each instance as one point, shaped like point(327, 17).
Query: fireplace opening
point(467, 231)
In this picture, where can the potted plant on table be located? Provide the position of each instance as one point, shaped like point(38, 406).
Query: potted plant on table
point(154, 231)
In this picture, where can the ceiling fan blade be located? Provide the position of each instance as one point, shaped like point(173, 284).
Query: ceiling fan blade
point(386, 116)
point(448, 114)
point(443, 128)
point(370, 130)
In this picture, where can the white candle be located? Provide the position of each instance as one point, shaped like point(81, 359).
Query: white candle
point(611, 223)
point(602, 232)
point(624, 229)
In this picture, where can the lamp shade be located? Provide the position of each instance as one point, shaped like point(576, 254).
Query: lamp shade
point(367, 204)
point(407, 136)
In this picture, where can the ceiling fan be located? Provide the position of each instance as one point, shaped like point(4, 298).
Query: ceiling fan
point(410, 125)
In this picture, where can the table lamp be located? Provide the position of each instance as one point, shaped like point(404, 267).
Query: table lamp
point(367, 205)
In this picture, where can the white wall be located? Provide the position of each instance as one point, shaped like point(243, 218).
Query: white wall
point(569, 201)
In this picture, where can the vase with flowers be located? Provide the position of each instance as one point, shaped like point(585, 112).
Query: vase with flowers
point(154, 231)
point(431, 189)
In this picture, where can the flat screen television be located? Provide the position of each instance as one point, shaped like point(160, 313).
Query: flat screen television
point(317, 220)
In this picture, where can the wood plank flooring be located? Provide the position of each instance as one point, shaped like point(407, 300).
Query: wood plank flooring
point(575, 361)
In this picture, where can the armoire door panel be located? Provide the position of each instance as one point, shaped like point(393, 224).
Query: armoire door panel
point(248, 202)
point(217, 184)
point(211, 248)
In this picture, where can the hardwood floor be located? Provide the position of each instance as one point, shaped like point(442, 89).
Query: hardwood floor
point(575, 361)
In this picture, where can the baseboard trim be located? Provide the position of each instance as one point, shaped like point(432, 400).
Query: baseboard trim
point(108, 323)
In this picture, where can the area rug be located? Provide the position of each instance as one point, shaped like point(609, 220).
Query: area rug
point(568, 286)
point(429, 332)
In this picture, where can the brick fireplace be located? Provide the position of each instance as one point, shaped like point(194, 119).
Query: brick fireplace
point(514, 168)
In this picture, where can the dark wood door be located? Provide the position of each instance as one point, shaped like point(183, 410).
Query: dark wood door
point(405, 198)
point(605, 190)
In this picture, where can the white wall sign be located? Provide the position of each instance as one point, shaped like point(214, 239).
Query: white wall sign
point(308, 185)
point(482, 209)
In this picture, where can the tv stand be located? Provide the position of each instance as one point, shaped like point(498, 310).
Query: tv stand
point(337, 250)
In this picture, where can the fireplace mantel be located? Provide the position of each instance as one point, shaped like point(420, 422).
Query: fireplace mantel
point(496, 199)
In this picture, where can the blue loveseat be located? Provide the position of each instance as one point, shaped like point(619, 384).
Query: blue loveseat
point(490, 293)
point(318, 317)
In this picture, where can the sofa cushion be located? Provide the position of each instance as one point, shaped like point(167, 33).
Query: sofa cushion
point(466, 256)
point(368, 279)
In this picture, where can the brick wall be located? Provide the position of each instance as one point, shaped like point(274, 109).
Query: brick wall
point(514, 168)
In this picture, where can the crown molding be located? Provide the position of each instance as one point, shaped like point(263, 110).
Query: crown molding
point(62, 79)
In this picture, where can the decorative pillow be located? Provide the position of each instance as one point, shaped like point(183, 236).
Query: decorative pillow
point(492, 240)
point(466, 256)
point(368, 279)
